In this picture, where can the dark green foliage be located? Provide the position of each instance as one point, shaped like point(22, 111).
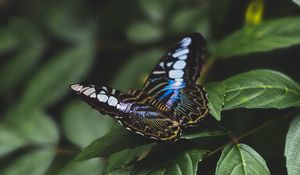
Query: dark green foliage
point(251, 75)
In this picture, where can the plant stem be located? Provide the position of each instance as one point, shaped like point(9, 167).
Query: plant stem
point(236, 139)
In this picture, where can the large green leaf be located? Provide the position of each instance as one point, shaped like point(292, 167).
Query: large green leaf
point(51, 83)
point(82, 124)
point(253, 89)
point(292, 147)
point(22, 128)
point(88, 167)
point(261, 89)
point(33, 163)
point(269, 35)
point(216, 98)
point(241, 159)
point(184, 162)
point(116, 140)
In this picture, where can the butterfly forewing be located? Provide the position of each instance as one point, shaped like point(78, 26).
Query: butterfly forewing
point(132, 110)
point(179, 67)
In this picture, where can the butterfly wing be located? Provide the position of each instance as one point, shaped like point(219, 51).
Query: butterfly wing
point(178, 68)
point(172, 82)
point(131, 110)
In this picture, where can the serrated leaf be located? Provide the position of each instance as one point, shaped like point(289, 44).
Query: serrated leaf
point(136, 71)
point(82, 124)
point(292, 147)
point(269, 35)
point(297, 2)
point(143, 32)
point(23, 128)
point(116, 140)
point(241, 159)
point(88, 167)
point(33, 163)
point(184, 162)
point(215, 93)
point(52, 82)
point(261, 89)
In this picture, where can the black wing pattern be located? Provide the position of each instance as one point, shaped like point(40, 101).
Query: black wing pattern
point(172, 82)
point(133, 112)
point(169, 101)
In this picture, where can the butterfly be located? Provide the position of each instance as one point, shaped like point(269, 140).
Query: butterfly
point(169, 101)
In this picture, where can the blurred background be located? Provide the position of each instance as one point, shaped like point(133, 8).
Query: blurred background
point(45, 45)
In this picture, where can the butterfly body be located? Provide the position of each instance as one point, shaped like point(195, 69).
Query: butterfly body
point(169, 101)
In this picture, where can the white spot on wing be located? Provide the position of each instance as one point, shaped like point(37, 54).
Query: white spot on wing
point(113, 91)
point(89, 91)
point(93, 95)
point(75, 86)
point(182, 57)
point(169, 64)
point(179, 64)
point(176, 73)
point(112, 101)
point(181, 52)
point(158, 72)
point(161, 64)
point(186, 41)
point(102, 97)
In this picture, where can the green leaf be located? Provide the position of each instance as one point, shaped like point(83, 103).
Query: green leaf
point(33, 163)
point(82, 124)
point(19, 66)
point(125, 157)
point(155, 9)
point(137, 70)
point(269, 35)
point(143, 32)
point(190, 19)
point(261, 89)
point(10, 140)
point(297, 2)
point(292, 147)
point(52, 82)
point(20, 32)
point(215, 93)
point(69, 20)
point(116, 140)
point(22, 128)
point(88, 167)
point(123, 171)
point(241, 159)
point(184, 162)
